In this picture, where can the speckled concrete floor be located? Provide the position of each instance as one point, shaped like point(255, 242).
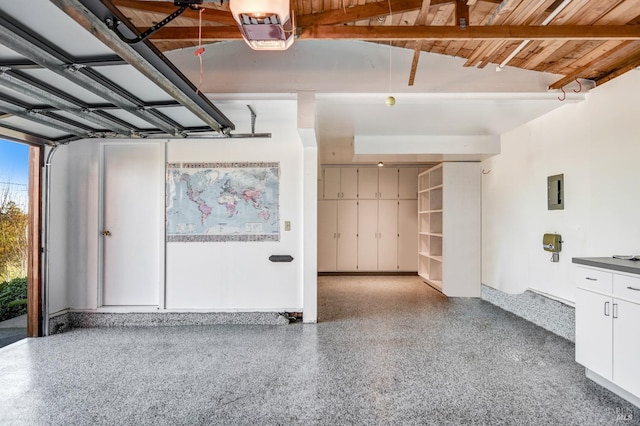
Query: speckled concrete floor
point(389, 350)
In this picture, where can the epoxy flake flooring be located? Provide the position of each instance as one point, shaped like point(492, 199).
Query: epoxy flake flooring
point(387, 350)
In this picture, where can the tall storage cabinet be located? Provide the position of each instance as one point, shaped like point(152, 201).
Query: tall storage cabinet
point(449, 228)
point(367, 219)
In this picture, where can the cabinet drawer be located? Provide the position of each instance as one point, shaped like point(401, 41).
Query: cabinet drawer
point(594, 279)
point(626, 287)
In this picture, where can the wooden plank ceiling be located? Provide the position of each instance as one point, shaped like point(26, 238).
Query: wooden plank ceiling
point(589, 39)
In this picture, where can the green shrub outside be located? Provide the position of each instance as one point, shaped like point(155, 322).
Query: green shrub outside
point(13, 298)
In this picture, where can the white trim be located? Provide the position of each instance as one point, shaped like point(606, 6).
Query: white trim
point(612, 387)
point(155, 309)
point(550, 296)
point(100, 260)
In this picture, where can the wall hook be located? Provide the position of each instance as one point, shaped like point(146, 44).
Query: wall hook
point(564, 95)
point(579, 86)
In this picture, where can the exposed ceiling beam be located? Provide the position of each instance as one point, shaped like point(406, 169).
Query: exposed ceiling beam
point(357, 13)
point(210, 14)
point(628, 65)
point(508, 32)
point(462, 14)
point(435, 33)
point(611, 55)
point(417, 49)
point(331, 17)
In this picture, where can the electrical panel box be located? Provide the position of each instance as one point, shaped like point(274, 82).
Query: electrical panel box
point(555, 192)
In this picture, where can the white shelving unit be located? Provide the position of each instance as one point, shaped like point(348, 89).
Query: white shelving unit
point(449, 228)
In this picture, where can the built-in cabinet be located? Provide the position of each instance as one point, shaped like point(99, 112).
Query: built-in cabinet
point(449, 227)
point(367, 219)
point(339, 184)
point(607, 318)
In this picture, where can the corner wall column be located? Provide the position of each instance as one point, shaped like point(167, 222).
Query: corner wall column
point(307, 132)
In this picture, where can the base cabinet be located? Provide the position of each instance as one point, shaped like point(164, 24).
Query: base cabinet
point(607, 318)
point(593, 319)
point(626, 346)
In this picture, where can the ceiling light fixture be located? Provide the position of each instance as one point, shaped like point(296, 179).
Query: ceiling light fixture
point(264, 24)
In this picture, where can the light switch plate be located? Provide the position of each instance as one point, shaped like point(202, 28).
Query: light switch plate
point(287, 225)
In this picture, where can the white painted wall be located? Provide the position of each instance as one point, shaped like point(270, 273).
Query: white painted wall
point(596, 145)
point(238, 275)
point(73, 241)
point(230, 276)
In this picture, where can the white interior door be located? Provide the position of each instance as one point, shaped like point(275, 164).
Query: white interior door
point(133, 213)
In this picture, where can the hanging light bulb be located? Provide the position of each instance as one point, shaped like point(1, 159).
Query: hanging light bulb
point(391, 101)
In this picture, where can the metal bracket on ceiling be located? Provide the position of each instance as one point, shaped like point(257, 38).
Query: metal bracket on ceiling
point(253, 120)
point(113, 23)
point(253, 133)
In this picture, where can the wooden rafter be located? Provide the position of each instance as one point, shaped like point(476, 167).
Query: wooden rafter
point(405, 33)
point(209, 15)
point(462, 14)
point(368, 11)
point(586, 39)
point(357, 13)
point(420, 20)
point(612, 55)
point(328, 17)
point(628, 65)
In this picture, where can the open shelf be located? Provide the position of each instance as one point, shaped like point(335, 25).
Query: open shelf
point(430, 226)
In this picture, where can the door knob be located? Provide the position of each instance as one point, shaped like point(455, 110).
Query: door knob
point(106, 233)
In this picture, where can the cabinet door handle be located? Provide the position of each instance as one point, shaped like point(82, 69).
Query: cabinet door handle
point(606, 309)
point(615, 310)
point(633, 288)
point(591, 279)
point(335, 235)
point(338, 235)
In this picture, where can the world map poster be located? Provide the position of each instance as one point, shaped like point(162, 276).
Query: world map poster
point(223, 202)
